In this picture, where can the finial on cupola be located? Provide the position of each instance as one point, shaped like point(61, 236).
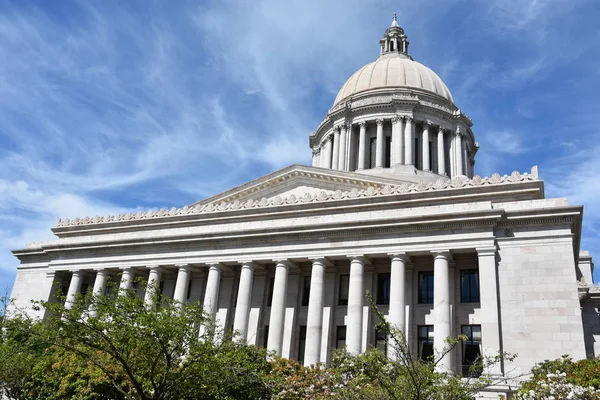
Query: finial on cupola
point(394, 40)
point(395, 21)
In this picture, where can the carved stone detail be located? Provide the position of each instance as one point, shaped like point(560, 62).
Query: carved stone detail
point(379, 121)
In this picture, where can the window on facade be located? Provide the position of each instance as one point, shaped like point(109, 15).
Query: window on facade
point(340, 337)
point(266, 337)
point(471, 350)
point(306, 291)
point(301, 343)
point(426, 287)
point(469, 286)
point(388, 152)
point(372, 152)
point(383, 289)
point(381, 340)
point(270, 292)
point(344, 286)
point(425, 342)
point(189, 291)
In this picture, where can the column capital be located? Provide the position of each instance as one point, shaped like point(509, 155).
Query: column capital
point(426, 123)
point(409, 118)
point(316, 151)
point(328, 138)
point(129, 269)
point(101, 271)
point(76, 271)
point(361, 257)
point(486, 251)
point(184, 266)
point(362, 124)
point(157, 268)
point(336, 129)
point(399, 255)
point(284, 262)
point(396, 119)
point(379, 121)
point(249, 264)
point(321, 259)
point(445, 254)
point(441, 129)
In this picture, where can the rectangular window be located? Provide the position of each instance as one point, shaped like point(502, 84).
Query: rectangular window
point(340, 337)
point(471, 350)
point(388, 152)
point(344, 286)
point(417, 154)
point(270, 292)
point(189, 291)
point(426, 342)
point(383, 289)
point(301, 343)
point(306, 291)
point(426, 287)
point(266, 337)
point(381, 340)
point(469, 286)
point(372, 152)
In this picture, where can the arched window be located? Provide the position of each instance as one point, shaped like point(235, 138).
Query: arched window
point(391, 45)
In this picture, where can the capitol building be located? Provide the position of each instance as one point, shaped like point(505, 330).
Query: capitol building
point(391, 205)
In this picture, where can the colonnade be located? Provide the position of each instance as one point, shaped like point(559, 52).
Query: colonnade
point(340, 150)
point(399, 286)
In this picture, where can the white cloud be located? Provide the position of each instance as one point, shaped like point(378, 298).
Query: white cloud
point(505, 141)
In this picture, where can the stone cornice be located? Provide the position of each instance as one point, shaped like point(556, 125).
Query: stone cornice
point(371, 191)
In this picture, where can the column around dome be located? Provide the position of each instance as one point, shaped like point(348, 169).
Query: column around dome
point(336, 148)
point(458, 150)
point(343, 147)
point(326, 153)
point(409, 134)
point(425, 146)
point(315, 157)
point(380, 144)
point(396, 156)
point(441, 156)
point(361, 144)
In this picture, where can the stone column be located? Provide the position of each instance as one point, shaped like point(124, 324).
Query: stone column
point(244, 297)
point(490, 316)
point(440, 152)
point(277, 318)
point(397, 141)
point(426, 166)
point(356, 295)
point(126, 279)
point(153, 285)
point(409, 141)
point(100, 282)
point(74, 288)
point(211, 295)
point(441, 306)
point(314, 320)
point(181, 285)
point(336, 149)
point(315, 157)
point(362, 138)
point(458, 152)
point(343, 148)
point(327, 152)
point(397, 316)
point(380, 144)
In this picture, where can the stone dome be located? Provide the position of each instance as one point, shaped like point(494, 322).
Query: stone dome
point(391, 71)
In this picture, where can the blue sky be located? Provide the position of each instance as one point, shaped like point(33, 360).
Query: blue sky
point(107, 106)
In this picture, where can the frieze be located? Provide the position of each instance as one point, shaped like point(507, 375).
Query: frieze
point(278, 201)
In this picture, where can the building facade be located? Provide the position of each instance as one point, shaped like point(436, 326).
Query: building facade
point(390, 205)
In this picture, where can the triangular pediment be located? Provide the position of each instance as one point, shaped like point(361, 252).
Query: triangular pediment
point(298, 180)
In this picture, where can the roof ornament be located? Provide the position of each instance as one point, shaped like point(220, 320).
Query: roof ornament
point(394, 40)
point(395, 21)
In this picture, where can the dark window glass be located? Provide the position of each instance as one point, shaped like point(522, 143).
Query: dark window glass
point(270, 293)
point(447, 153)
point(161, 287)
point(266, 337)
point(430, 156)
point(301, 343)
point(340, 337)
point(471, 349)
point(381, 340)
point(189, 291)
point(426, 287)
point(469, 286)
point(306, 291)
point(372, 152)
point(344, 286)
point(383, 289)
point(84, 288)
point(388, 151)
point(425, 342)
point(417, 154)
point(64, 289)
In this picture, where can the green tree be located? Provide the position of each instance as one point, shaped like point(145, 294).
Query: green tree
point(145, 351)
